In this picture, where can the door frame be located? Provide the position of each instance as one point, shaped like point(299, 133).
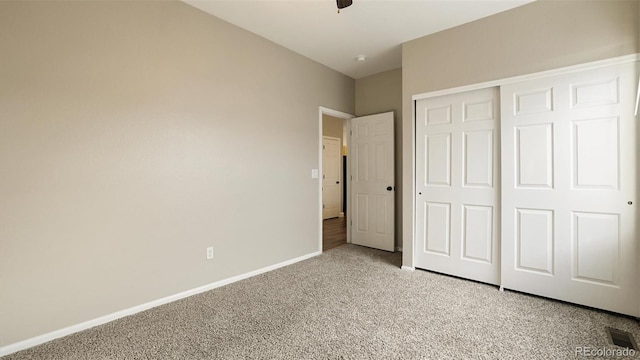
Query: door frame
point(345, 116)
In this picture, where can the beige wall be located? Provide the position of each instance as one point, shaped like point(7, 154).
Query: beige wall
point(332, 126)
point(539, 36)
point(382, 93)
point(132, 136)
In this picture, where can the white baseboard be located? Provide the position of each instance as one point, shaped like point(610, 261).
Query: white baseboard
point(408, 268)
point(25, 344)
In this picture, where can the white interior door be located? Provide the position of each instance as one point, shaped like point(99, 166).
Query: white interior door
point(457, 182)
point(331, 185)
point(372, 181)
point(570, 188)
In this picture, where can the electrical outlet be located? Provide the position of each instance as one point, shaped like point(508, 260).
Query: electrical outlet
point(210, 253)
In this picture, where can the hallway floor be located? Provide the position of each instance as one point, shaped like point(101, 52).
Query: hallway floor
point(334, 233)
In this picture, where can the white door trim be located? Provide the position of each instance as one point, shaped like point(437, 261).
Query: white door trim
point(409, 263)
point(341, 115)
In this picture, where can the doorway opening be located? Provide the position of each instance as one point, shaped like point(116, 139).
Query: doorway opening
point(333, 184)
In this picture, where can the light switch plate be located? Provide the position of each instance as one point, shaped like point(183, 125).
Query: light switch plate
point(314, 173)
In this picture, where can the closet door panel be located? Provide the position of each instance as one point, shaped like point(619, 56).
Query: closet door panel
point(457, 180)
point(569, 188)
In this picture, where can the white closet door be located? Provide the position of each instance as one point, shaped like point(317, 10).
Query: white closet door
point(569, 188)
point(456, 185)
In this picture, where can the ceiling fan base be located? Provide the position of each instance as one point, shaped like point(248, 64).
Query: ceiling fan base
point(343, 3)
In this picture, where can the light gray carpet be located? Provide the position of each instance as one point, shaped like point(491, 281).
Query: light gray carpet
point(349, 303)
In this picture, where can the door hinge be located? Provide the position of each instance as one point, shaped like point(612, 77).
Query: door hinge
point(323, 147)
point(351, 132)
point(323, 206)
point(324, 176)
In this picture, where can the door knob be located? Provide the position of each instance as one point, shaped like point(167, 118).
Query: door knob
point(389, 188)
point(337, 182)
point(630, 202)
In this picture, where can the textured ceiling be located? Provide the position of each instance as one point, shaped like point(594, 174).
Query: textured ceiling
point(375, 28)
